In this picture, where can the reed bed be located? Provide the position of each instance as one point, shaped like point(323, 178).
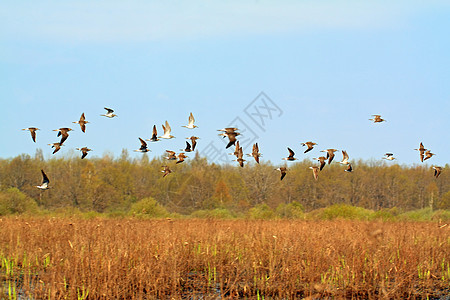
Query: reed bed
point(61, 258)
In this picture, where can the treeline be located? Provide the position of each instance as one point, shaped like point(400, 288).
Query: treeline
point(121, 184)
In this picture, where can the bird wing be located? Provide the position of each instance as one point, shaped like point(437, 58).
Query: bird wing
point(191, 119)
point(167, 128)
point(143, 143)
point(109, 110)
point(291, 153)
point(33, 135)
point(344, 153)
point(44, 178)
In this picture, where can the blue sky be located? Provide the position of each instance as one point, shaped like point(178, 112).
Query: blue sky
point(327, 65)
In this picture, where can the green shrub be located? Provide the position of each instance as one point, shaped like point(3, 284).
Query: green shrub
point(218, 213)
point(13, 201)
point(293, 210)
point(388, 214)
point(148, 207)
point(424, 214)
point(261, 211)
point(341, 211)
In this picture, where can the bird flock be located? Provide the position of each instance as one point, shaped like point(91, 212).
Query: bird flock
point(232, 134)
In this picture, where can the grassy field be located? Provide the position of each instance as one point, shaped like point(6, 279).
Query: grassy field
point(62, 258)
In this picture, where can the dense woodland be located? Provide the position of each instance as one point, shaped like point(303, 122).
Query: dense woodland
point(109, 184)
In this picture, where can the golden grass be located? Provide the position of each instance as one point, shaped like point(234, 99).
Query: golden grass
point(165, 259)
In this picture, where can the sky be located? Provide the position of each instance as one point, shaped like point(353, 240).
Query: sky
point(284, 72)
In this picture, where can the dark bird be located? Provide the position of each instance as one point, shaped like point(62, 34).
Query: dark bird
point(231, 133)
point(377, 119)
point(236, 150)
point(389, 156)
point(84, 151)
point(310, 146)
point(109, 113)
point(240, 158)
point(255, 152)
point(143, 147)
point(330, 154)
point(322, 160)
point(421, 150)
point(63, 133)
point(188, 147)
point(437, 171)
point(166, 171)
point(172, 155)
point(57, 146)
point(349, 168)
point(193, 141)
point(428, 154)
point(181, 156)
point(82, 122)
point(283, 171)
point(33, 132)
point(315, 172)
point(45, 182)
point(291, 155)
point(154, 137)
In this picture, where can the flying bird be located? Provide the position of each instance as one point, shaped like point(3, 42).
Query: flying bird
point(45, 182)
point(240, 158)
point(255, 152)
point(84, 151)
point(109, 113)
point(63, 133)
point(193, 141)
point(236, 150)
point(421, 150)
point(231, 133)
point(283, 171)
point(437, 171)
point(377, 119)
point(389, 156)
point(172, 155)
point(181, 157)
point(345, 158)
point(291, 155)
point(82, 122)
point(188, 147)
point(322, 160)
point(191, 121)
point(315, 171)
point(154, 137)
point(33, 132)
point(428, 154)
point(310, 146)
point(167, 131)
point(330, 154)
point(57, 146)
point(349, 168)
point(166, 171)
point(143, 147)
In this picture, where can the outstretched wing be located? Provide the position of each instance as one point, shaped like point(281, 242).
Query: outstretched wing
point(44, 178)
point(291, 153)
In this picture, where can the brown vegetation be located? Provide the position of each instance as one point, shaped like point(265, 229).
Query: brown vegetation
point(135, 259)
point(111, 185)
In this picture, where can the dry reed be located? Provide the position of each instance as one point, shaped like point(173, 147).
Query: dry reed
point(164, 259)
